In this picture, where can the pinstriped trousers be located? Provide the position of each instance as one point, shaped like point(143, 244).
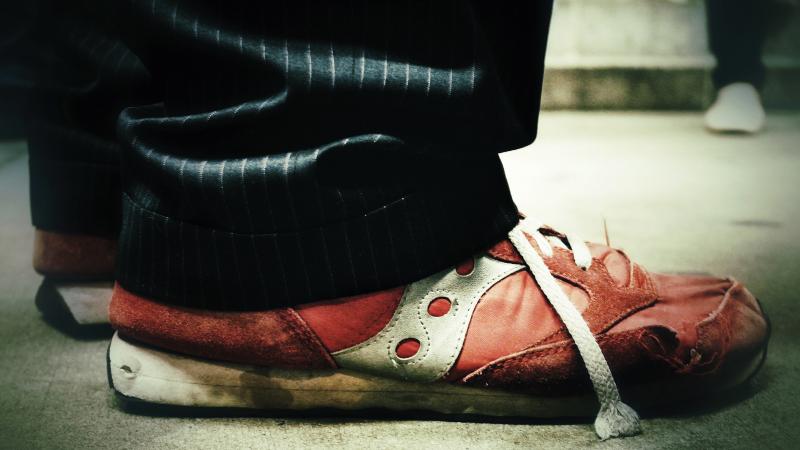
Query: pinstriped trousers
point(71, 78)
point(303, 150)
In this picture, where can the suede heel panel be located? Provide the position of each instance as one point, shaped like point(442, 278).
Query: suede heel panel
point(61, 255)
point(275, 338)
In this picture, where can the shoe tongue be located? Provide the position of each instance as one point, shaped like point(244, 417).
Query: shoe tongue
point(616, 262)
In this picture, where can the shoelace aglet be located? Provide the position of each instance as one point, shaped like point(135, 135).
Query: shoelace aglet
point(616, 419)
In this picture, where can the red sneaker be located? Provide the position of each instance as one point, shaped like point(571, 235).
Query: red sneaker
point(513, 331)
point(79, 274)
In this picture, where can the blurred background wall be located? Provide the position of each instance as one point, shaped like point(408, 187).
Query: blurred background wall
point(653, 54)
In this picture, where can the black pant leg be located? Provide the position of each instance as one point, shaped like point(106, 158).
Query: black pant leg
point(736, 33)
point(314, 149)
point(74, 77)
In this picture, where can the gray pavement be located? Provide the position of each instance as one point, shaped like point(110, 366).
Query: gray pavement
point(675, 197)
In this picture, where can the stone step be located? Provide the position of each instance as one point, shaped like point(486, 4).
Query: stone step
point(652, 54)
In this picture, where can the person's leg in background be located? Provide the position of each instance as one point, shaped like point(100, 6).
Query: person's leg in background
point(15, 74)
point(736, 33)
point(319, 193)
point(78, 77)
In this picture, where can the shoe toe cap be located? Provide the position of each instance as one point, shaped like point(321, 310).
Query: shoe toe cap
point(717, 319)
point(736, 330)
point(714, 319)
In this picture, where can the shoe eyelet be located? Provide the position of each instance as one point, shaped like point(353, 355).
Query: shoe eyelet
point(466, 267)
point(439, 306)
point(407, 348)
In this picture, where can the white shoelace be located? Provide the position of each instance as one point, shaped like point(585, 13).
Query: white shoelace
point(615, 418)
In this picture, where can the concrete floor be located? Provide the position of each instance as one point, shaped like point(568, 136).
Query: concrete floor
point(675, 197)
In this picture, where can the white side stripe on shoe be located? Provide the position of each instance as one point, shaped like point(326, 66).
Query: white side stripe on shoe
point(440, 338)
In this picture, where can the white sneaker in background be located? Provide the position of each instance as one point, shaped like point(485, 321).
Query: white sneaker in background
point(737, 109)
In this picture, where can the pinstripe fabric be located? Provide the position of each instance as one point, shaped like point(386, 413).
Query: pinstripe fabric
point(307, 150)
point(275, 229)
point(74, 180)
point(77, 78)
point(315, 149)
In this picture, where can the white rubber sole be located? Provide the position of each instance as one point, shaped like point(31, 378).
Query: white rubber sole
point(153, 376)
point(145, 374)
point(87, 302)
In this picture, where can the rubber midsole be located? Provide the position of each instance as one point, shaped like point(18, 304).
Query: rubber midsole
point(88, 302)
point(165, 378)
point(154, 376)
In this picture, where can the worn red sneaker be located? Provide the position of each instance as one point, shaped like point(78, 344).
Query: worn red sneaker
point(79, 274)
point(513, 331)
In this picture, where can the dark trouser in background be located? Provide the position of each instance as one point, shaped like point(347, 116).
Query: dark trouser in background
point(317, 149)
point(70, 79)
point(736, 33)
